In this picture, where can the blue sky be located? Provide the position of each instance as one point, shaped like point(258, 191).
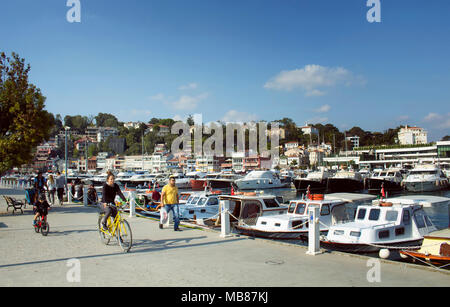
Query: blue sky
point(312, 60)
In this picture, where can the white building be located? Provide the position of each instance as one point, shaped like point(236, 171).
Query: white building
point(309, 130)
point(354, 140)
point(412, 136)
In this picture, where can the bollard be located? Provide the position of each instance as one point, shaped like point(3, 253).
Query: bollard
point(69, 195)
point(85, 196)
point(313, 231)
point(132, 198)
point(225, 219)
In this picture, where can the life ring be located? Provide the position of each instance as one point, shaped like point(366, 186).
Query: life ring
point(385, 204)
point(316, 197)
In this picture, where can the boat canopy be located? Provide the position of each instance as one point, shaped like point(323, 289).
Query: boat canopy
point(350, 197)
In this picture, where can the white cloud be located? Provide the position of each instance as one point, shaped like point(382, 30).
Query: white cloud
point(312, 78)
point(158, 97)
point(234, 116)
point(190, 86)
point(187, 102)
point(323, 109)
point(439, 121)
point(318, 120)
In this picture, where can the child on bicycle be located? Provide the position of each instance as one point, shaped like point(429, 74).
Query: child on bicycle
point(40, 208)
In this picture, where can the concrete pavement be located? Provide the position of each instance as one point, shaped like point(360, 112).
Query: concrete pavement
point(72, 255)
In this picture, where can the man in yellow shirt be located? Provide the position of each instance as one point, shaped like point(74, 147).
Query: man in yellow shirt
point(169, 201)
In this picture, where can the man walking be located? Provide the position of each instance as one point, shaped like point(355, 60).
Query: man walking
point(169, 201)
point(60, 184)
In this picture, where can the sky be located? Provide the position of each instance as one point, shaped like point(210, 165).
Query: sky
point(314, 61)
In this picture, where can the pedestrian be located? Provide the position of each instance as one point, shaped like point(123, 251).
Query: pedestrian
point(92, 195)
point(60, 185)
point(39, 185)
point(51, 186)
point(169, 202)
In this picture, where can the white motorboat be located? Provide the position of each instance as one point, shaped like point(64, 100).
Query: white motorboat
point(256, 180)
point(392, 223)
point(425, 178)
point(333, 208)
point(200, 205)
point(316, 181)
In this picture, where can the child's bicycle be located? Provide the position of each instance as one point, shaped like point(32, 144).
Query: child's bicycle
point(42, 225)
point(117, 227)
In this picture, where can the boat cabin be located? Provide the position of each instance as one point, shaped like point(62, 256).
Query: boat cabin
point(247, 207)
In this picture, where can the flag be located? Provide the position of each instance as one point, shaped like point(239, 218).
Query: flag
point(382, 190)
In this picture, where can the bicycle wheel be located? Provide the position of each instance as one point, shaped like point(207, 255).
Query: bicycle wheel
point(36, 227)
point(105, 238)
point(124, 236)
point(45, 227)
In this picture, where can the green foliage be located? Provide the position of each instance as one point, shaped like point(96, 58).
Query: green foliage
point(24, 123)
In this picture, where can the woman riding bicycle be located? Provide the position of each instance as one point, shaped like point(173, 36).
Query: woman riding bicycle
point(109, 193)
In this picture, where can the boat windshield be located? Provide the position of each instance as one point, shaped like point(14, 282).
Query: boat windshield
point(202, 201)
point(300, 209)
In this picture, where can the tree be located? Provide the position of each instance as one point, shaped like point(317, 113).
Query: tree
point(24, 123)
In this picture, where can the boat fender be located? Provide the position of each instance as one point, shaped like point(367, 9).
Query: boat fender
point(384, 253)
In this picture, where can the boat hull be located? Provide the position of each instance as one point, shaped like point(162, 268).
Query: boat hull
point(361, 248)
point(315, 186)
point(374, 186)
point(426, 186)
point(336, 185)
point(277, 235)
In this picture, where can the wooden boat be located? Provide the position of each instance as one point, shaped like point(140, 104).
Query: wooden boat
point(435, 249)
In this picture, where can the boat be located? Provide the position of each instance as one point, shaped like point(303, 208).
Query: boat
point(200, 205)
point(256, 180)
point(390, 180)
point(425, 178)
point(181, 181)
point(435, 249)
point(294, 223)
point(345, 181)
point(387, 224)
point(246, 207)
point(316, 181)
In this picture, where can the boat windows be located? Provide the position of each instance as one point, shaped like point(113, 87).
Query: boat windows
point(298, 224)
point(422, 220)
point(338, 232)
point(391, 215)
point(277, 224)
point(325, 210)
point(291, 207)
point(355, 233)
point(374, 214)
point(213, 201)
point(271, 203)
point(383, 234)
point(264, 223)
point(300, 209)
point(361, 214)
point(406, 217)
point(202, 201)
point(399, 231)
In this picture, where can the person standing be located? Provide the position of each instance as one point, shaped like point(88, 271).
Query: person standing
point(60, 185)
point(169, 202)
point(51, 186)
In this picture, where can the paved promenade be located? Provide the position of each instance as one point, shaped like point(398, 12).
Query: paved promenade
point(167, 258)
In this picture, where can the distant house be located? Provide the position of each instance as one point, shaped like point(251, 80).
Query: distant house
point(412, 136)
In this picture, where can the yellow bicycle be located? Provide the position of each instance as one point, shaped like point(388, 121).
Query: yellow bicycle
point(119, 228)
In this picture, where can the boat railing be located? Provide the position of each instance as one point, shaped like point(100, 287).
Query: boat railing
point(390, 224)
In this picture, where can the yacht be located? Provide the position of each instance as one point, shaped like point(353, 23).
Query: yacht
point(181, 181)
point(390, 223)
point(316, 181)
point(256, 180)
point(425, 178)
point(390, 180)
point(333, 209)
point(345, 181)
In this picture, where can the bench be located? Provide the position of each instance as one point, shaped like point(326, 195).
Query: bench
point(14, 203)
